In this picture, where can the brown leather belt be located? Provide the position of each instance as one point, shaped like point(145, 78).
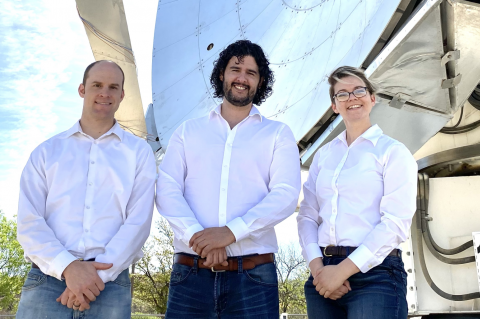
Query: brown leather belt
point(34, 265)
point(341, 251)
point(248, 262)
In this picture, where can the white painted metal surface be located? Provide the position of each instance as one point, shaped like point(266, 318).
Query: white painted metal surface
point(455, 208)
point(107, 30)
point(408, 261)
point(476, 251)
point(305, 40)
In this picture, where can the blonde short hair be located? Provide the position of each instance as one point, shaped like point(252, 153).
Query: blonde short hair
point(343, 72)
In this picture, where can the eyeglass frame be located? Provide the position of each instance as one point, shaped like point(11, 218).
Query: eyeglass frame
point(360, 87)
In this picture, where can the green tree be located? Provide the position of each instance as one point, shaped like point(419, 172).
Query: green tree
point(152, 280)
point(13, 267)
point(292, 273)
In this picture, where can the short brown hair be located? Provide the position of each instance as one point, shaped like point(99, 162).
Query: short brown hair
point(87, 70)
point(343, 72)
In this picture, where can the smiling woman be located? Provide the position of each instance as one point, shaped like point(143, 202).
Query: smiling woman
point(359, 200)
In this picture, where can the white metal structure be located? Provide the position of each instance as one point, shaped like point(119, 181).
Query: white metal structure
point(107, 30)
point(421, 54)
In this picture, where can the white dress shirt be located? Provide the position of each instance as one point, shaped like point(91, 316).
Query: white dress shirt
point(362, 196)
point(246, 178)
point(86, 198)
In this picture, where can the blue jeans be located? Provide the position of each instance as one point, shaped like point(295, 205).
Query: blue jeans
point(40, 291)
point(243, 294)
point(377, 294)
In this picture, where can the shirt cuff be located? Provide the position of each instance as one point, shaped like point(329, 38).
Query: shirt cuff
point(313, 251)
point(195, 228)
point(59, 264)
point(106, 276)
point(363, 258)
point(238, 228)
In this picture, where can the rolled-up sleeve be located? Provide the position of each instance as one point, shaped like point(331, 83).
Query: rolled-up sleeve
point(397, 208)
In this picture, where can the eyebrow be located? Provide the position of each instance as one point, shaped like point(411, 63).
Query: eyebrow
point(238, 68)
point(357, 87)
point(113, 84)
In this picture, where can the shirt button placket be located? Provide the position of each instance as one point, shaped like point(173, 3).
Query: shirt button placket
point(89, 200)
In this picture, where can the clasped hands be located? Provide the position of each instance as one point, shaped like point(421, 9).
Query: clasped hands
point(83, 284)
point(332, 281)
point(210, 243)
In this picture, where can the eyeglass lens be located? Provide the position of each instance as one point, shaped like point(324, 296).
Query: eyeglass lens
point(343, 96)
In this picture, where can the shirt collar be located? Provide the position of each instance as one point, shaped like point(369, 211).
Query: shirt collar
point(372, 134)
point(116, 129)
point(254, 111)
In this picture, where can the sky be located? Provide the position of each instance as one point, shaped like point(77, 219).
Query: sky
point(43, 52)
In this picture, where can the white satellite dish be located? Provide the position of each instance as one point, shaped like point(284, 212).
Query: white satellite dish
point(304, 40)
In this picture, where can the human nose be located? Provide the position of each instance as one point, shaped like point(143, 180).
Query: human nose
point(242, 78)
point(105, 91)
point(351, 96)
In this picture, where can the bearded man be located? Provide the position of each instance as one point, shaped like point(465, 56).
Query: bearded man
point(226, 180)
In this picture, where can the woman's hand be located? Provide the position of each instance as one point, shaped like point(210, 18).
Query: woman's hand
point(342, 291)
point(315, 266)
point(331, 278)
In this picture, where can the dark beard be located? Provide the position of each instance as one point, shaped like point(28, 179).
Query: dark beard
point(232, 99)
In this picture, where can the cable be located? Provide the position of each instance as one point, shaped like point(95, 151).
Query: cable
point(423, 184)
point(459, 119)
point(462, 129)
point(420, 219)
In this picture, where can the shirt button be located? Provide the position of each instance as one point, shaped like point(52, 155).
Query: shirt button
point(89, 184)
point(332, 229)
point(369, 266)
point(225, 166)
point(95, 142)
point(86, 230)
point(92, 162)
point(230, 144)
point(88, 207)
point(334, 210)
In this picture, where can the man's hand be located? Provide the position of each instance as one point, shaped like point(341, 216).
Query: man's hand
point(82, 279)
point(208, 239)
point(215, 257)
point(68, 298)
point(331, 278)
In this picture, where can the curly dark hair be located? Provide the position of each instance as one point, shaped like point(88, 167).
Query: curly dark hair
point(240, 49)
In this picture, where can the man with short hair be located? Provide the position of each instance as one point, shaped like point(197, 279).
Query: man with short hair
point(226, 180)
point(85, 209)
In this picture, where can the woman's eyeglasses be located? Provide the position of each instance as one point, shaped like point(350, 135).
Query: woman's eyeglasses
point(344, 96)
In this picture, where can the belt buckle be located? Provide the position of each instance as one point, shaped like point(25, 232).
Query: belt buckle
point(213, 270)
point(325, 251)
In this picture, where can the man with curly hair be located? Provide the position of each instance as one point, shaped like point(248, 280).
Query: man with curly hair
point(226, 180)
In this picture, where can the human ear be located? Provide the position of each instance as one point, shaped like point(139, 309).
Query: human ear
point(334, 108)
point(81, 90)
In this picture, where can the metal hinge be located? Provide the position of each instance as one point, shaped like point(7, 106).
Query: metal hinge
point(399, 100)
point(450, 56)
point(451, 83)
